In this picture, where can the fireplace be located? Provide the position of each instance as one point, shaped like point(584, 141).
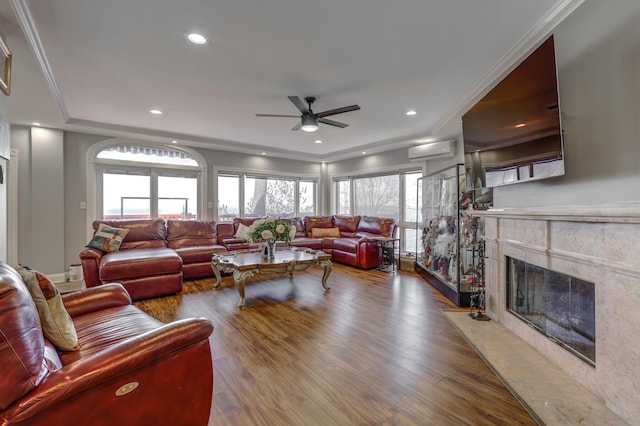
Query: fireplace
point(585, 249)
point(559, 306)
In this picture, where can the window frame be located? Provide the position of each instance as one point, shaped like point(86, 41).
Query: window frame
point(403, 223)
point(244, 174)
point(96, 167)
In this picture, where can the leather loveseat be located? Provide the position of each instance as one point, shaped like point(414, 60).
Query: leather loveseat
point(156, 255)
point(130, 369)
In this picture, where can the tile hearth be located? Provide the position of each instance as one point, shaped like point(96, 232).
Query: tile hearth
point(550, 395)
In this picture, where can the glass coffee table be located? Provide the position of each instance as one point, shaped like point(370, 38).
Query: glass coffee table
point(247, 263)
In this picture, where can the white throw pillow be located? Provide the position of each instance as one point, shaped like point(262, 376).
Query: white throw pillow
point(243, 232)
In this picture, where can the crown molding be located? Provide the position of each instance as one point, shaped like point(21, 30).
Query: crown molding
point(512, 58)
point(23, 15)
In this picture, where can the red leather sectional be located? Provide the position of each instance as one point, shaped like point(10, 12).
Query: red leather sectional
point(156, 255)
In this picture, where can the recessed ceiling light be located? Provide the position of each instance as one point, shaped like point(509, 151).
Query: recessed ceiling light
point(364, 152)
point(427, 140)
point(35, 123)
point(155, 112)
point(520, 125)
point(196, 38)
point(411, 112)
point(318, 141)
point(264, 153)
point(174, 141)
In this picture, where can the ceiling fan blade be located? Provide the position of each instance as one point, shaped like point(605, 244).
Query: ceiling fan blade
point(332, 122)
point(338, 111)
point(299, 104)
point(276, 115)
point(297, 126)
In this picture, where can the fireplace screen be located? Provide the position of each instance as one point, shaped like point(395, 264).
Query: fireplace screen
point(558, 305)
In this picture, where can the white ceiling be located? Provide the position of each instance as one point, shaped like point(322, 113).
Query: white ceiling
point(99, 66)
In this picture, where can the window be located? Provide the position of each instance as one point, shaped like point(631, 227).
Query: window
point(136, 182)
point(264, 196)
point(389, 195)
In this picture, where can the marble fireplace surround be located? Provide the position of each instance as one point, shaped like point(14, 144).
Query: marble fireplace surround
point(600, 244)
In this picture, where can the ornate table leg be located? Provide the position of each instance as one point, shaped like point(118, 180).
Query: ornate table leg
point(238, 278)
point(216, 271)
point(328, 267)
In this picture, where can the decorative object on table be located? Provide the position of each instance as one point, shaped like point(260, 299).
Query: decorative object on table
point(270, 230)
point(5, 67)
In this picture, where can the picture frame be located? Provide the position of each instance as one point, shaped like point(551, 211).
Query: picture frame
point(5, 67)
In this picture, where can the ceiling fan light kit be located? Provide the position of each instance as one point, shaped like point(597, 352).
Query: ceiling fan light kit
point(309, 123)
point(309, 120)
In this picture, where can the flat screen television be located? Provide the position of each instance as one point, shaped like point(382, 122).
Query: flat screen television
point(513, 134)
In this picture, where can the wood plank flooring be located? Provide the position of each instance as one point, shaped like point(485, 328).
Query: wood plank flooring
point(375, 350)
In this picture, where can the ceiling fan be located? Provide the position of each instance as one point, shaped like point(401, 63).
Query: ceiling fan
point(309, 120)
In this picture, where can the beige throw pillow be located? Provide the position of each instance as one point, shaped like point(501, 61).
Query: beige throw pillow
point(325, 232)
point(57, 325)
point(243, 232)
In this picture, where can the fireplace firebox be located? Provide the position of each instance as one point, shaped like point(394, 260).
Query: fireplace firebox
point(559, 306)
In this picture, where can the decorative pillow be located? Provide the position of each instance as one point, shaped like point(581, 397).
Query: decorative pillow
point(325, 232)
point(243, 232)
point(107, 238)
point(57, 325)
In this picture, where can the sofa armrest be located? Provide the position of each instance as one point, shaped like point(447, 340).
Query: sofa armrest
point(90, 260)
point(118, 360)
point(95, 299)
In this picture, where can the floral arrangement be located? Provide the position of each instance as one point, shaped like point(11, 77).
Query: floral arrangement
point(271, 229)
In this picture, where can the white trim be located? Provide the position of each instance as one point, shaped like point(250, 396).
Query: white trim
point(12, 211)
point(511, 59)
point(21, 10)
point(233, 170)
point(398, 168)
point(93, 162)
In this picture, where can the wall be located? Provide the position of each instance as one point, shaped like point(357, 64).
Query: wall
point(3, 193)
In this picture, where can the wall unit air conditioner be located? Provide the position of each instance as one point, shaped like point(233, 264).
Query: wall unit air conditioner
point(433, 150)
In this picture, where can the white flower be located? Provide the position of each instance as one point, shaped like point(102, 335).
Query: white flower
point(292, 233)
point(257, 223)
point(270, 220)
point(280, 228)
point(266, 234)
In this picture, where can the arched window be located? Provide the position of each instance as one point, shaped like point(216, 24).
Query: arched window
point(136, 181)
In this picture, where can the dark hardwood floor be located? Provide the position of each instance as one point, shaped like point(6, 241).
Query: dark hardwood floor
point(375, 350)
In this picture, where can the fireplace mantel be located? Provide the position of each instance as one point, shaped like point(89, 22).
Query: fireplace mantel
point(599, 244)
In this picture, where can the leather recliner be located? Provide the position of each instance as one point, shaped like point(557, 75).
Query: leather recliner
point(130, 369)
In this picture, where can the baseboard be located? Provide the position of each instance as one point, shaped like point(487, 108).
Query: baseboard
point(57, 278)
point(69, 286)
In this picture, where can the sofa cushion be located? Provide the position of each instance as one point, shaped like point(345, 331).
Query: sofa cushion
point(137, 263)
point(56, 323)
point(311, 222)
point(325, 232)
point(105, 328)
point(189, 233)
point(107, 238)
point(348, 225)
point(376, 225)
point(198, 254)
point(312, 243)
point(349, 245)
point(143, 233)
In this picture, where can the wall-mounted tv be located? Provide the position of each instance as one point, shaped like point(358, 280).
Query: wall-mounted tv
point(513, 134)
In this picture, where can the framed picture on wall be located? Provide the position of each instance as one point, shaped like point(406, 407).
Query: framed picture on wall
point(5, 67)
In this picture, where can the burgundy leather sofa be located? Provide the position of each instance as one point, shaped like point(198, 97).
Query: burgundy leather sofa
point(120, 346)
point(156, 255)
